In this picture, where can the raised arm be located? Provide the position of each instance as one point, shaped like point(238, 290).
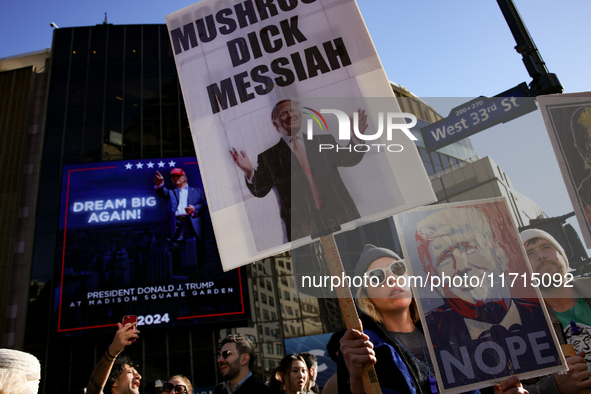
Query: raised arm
point(102, 369)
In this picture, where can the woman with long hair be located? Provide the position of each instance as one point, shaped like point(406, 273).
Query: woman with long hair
point(393, 337)
point(290, 377)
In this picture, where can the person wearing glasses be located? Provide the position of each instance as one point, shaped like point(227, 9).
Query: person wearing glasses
point(235, 361)
point(392, 336)
point(178, 384)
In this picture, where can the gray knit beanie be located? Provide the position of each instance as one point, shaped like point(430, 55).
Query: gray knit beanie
point(531, 233)
point(370, 254)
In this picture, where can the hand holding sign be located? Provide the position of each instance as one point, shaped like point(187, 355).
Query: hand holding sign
point(357, 351)
point(577, 379)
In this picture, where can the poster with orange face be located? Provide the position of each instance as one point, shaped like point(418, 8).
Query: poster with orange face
point(483, 314)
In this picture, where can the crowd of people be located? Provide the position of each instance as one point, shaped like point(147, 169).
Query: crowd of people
point(117, 374)
point(393, 339)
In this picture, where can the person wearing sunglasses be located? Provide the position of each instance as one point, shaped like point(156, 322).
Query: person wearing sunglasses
point(178, 384)
point(235, 361)
point(392, 336)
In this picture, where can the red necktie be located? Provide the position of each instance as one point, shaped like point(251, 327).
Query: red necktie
point(303, 159)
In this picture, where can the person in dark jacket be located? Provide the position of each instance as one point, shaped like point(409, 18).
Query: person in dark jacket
point(235, 361)
point(392, 336)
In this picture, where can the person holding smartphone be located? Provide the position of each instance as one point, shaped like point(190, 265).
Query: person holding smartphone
point(116, 373)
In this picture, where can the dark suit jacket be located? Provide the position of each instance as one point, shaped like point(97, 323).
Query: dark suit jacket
point(279, 170)
point(251, 386)
point(196, 198)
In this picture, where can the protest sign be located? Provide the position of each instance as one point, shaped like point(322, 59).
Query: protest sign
point(484, 315)
point(568, 121)
point(117, 255)
point(253, 75)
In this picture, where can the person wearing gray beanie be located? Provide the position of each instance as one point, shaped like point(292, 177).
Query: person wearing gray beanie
point(390, 320)
point(569, 306)
point(392, 332)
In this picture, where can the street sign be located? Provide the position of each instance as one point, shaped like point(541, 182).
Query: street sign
point(477, 115)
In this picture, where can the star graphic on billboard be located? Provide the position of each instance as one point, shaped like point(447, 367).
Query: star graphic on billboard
point(161, 164)
point(171, 163)
point(139, 165)
point(128, 166)
point(150, 165)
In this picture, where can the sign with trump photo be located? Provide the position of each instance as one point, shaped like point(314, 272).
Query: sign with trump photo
point(135, 238)
point(568, 121)
point(295, 125)
point(483, 314)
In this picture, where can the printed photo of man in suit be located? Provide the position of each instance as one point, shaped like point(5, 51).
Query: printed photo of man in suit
point(311, 194)
point(182, 225)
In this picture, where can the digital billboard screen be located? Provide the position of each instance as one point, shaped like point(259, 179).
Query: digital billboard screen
point(135, 238)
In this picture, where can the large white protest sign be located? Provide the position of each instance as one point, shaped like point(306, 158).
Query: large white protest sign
point(484, 316)
point(269, 189)
point(568, 121)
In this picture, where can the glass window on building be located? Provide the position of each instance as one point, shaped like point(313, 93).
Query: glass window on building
point(255, 295)
point(265, 315)
point(271, 301)
point(286, 295)
point(264, 298)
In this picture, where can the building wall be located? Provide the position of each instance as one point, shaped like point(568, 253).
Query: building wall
point(484, 179)
point(22, 99)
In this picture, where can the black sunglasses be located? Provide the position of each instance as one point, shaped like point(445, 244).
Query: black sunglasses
point(179, 388)
point(397, 268)
point(225, 354)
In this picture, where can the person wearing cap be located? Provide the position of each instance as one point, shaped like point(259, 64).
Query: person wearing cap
point(392, 336)
point(155, 387)
point(569, 307)
point(294, 167)
point(116, 373)
point(182, 225)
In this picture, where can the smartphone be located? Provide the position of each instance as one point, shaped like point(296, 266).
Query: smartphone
point(133, 320)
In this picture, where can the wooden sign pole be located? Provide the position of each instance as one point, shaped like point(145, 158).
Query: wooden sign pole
point(335, 266)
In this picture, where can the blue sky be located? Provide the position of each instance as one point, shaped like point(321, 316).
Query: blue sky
point(452, 48)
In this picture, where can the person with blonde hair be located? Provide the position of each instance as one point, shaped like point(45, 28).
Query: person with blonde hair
point(178, 384)
point(392, 336)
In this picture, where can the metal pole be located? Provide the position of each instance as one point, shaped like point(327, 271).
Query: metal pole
point(543, 82)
